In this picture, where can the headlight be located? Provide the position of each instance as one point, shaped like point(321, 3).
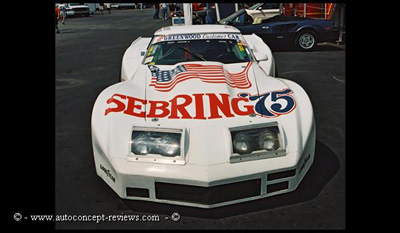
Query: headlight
point(246, 141)
point(150, 142)
point(268, 140)
point(242, 143)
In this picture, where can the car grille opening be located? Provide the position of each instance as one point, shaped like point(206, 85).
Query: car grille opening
point(277, 187)
point(208, 195)
point(137, 192)
point(280, 175)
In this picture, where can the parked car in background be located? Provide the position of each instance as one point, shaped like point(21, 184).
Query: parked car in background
point(280, 30)
point(127, 5)
point(265, 11)
point(114, 5)
point(75, 9)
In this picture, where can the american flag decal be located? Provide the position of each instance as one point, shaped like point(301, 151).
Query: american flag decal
point(166, 80)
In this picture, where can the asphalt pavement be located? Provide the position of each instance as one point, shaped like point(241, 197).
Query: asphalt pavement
point(88, 56)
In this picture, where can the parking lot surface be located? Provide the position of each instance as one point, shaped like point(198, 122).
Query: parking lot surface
point(88, 57)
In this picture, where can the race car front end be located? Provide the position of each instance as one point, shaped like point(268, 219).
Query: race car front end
point(200, 122)
point(206, 186)
point(203, 163)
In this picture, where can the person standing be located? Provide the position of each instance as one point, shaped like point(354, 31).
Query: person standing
point(57, 17)
point(208, 13)
point(156, 10)
point(63, 12)
point(171, 9)
point(164, 10)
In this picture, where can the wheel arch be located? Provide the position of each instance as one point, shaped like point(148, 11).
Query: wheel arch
point(308, 28)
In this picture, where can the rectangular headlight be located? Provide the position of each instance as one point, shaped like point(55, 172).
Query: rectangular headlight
point(152, 144)
point(256, 142)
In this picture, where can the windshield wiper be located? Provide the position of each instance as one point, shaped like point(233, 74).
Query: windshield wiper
point(196, 55)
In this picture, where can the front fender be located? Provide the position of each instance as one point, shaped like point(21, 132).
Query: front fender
point(305, 113)
point(100, 124)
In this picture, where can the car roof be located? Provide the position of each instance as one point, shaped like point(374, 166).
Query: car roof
point(173, 30)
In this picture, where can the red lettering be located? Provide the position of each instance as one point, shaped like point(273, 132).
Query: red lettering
point(198, 98)
point(220, 106)
point(153, 108)
point(120, 105)
point(181, 108)
point(236, 110)
point(216, 104)
point(132, 106)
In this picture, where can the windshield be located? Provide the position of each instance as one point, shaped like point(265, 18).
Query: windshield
point(237, 13)
point(224, 50)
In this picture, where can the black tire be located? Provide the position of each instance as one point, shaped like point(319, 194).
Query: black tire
point(306, 40)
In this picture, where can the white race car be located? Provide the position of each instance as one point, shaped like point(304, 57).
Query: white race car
point(200, 120)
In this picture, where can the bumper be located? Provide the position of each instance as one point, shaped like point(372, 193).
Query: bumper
point(204, 186)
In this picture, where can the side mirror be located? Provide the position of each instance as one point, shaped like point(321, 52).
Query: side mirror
point(260, 56)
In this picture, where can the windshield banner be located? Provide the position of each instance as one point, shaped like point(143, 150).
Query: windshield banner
point(195, 36)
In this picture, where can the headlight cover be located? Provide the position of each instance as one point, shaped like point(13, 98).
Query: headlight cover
point(268, 140)
point(165, 144)
point(242, 143)
point(156, 145)
point(256, 142)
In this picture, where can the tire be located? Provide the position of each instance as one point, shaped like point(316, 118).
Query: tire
point(305, 40)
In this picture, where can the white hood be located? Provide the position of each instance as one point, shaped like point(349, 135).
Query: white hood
point(204, 110)
point(204, 93)
point(202, 87)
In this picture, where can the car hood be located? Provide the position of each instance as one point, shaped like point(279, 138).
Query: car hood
point(196, 92)
point(211, 80)
point(203, 109)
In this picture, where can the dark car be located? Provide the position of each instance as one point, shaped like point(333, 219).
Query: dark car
point(278, 31)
